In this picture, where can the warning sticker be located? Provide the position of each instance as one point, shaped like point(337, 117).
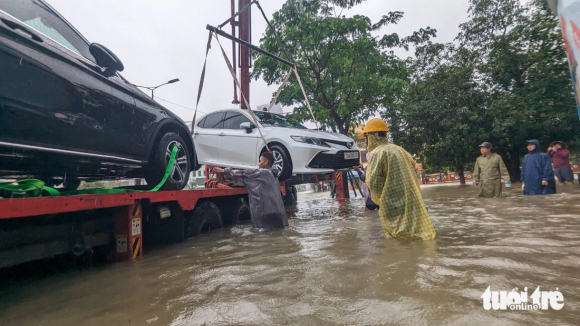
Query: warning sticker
point(121, 243)
point(136, 226)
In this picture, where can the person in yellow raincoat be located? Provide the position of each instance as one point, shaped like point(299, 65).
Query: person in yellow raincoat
point(393, 180)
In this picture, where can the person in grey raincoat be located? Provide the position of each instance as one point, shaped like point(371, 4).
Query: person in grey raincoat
point(489, 172)
point(266, 206)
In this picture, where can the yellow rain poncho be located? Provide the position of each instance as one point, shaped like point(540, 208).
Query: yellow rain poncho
point(392, 177)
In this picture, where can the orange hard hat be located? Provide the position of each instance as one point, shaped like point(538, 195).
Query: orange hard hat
point(374, 125)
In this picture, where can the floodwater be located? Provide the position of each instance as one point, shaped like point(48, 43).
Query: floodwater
point(332, 266)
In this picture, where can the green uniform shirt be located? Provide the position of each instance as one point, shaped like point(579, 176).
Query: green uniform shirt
point(489, 173)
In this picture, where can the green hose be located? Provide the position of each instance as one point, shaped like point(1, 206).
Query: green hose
point(36, 188)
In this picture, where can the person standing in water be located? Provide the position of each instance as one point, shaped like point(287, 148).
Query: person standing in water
point(489, 172)
point(393, 180)
point(266, 206)
point(537, 174)
point(560, 155)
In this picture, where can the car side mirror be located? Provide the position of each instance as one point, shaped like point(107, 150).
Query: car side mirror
point(248, 126)
point(106, 59)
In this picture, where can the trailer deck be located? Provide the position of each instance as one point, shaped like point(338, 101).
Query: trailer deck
point(119, 225)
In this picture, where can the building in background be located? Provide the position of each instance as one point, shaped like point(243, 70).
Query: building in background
point(199, 178)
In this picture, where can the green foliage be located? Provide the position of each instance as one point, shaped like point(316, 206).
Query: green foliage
point(348, 72)
point(523, 67)
point(506, 82)
point(192, 183)
point(110, 184)
point(441, 116)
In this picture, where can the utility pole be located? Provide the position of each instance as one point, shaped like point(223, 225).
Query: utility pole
point(245, 60)
point(234, 23)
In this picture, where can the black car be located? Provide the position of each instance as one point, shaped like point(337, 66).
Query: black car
point(66, 114)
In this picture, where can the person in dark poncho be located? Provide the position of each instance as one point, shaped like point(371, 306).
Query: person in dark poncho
point(537, 174)
point(266, 206)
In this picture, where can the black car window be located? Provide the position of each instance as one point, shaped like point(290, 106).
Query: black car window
point(214, 121)
point(275, 120)
point(234, 119)
point(39, 16)
point(200, 124)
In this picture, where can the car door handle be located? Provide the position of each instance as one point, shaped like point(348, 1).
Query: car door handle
point(21, 30)
point(223, 134)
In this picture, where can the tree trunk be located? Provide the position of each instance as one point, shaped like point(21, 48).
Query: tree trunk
point(461, 173)
point(512, 162)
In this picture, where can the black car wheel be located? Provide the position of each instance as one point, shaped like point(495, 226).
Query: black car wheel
point(179, 175)
point(281, 162)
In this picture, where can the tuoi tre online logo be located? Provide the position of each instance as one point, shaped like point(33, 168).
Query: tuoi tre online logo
point(539, 300)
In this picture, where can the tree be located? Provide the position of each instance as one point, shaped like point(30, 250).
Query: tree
point(523, 66)
point(441, 115)
point(348, 73)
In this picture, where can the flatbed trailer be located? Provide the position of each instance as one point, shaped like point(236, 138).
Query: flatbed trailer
point(115, 225)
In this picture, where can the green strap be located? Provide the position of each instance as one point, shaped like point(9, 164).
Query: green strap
point(36, 188)
point(168, 170)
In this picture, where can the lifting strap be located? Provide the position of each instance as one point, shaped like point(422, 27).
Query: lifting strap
point(201, 80)
point(305, 96)
point(280, 90)
point(243, 95)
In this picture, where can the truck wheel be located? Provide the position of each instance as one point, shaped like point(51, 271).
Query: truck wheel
point(205, 217)
point(239, 211)
point(290, 198)
point(155, 170)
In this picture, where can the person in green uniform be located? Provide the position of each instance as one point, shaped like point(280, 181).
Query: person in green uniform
point(489, 172)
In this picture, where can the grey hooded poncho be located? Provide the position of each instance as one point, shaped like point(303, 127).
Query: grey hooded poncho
point(264, 195)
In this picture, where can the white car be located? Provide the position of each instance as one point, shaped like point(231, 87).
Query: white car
point(230, 138)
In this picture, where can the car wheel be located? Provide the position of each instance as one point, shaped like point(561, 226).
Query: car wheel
point(281, 162)
point(179, 175)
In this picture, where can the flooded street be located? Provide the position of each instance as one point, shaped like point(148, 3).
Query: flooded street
point(332, 266)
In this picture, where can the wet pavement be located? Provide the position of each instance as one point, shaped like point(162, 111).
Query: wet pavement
point(332, 266)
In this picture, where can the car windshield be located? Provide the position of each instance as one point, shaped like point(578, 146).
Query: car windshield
point(40, 17)
point(275, 120)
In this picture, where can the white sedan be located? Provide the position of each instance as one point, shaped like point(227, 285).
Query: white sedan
point(230, 138)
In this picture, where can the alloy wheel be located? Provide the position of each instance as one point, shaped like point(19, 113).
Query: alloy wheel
point(178, 171)
point(278, 161)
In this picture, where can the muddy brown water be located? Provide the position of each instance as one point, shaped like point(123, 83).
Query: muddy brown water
point(332, 266)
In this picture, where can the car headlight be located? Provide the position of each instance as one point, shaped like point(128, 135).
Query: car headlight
point(310, 140)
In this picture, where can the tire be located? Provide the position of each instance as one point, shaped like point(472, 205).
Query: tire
point(205, 217)
point(282, 162)
point(239, 211)
point(290, 198)
point(155, 170)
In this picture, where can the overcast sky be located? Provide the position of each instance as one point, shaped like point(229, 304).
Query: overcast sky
point(159, 40)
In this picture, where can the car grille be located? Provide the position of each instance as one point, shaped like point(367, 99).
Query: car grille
point(332, 161)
